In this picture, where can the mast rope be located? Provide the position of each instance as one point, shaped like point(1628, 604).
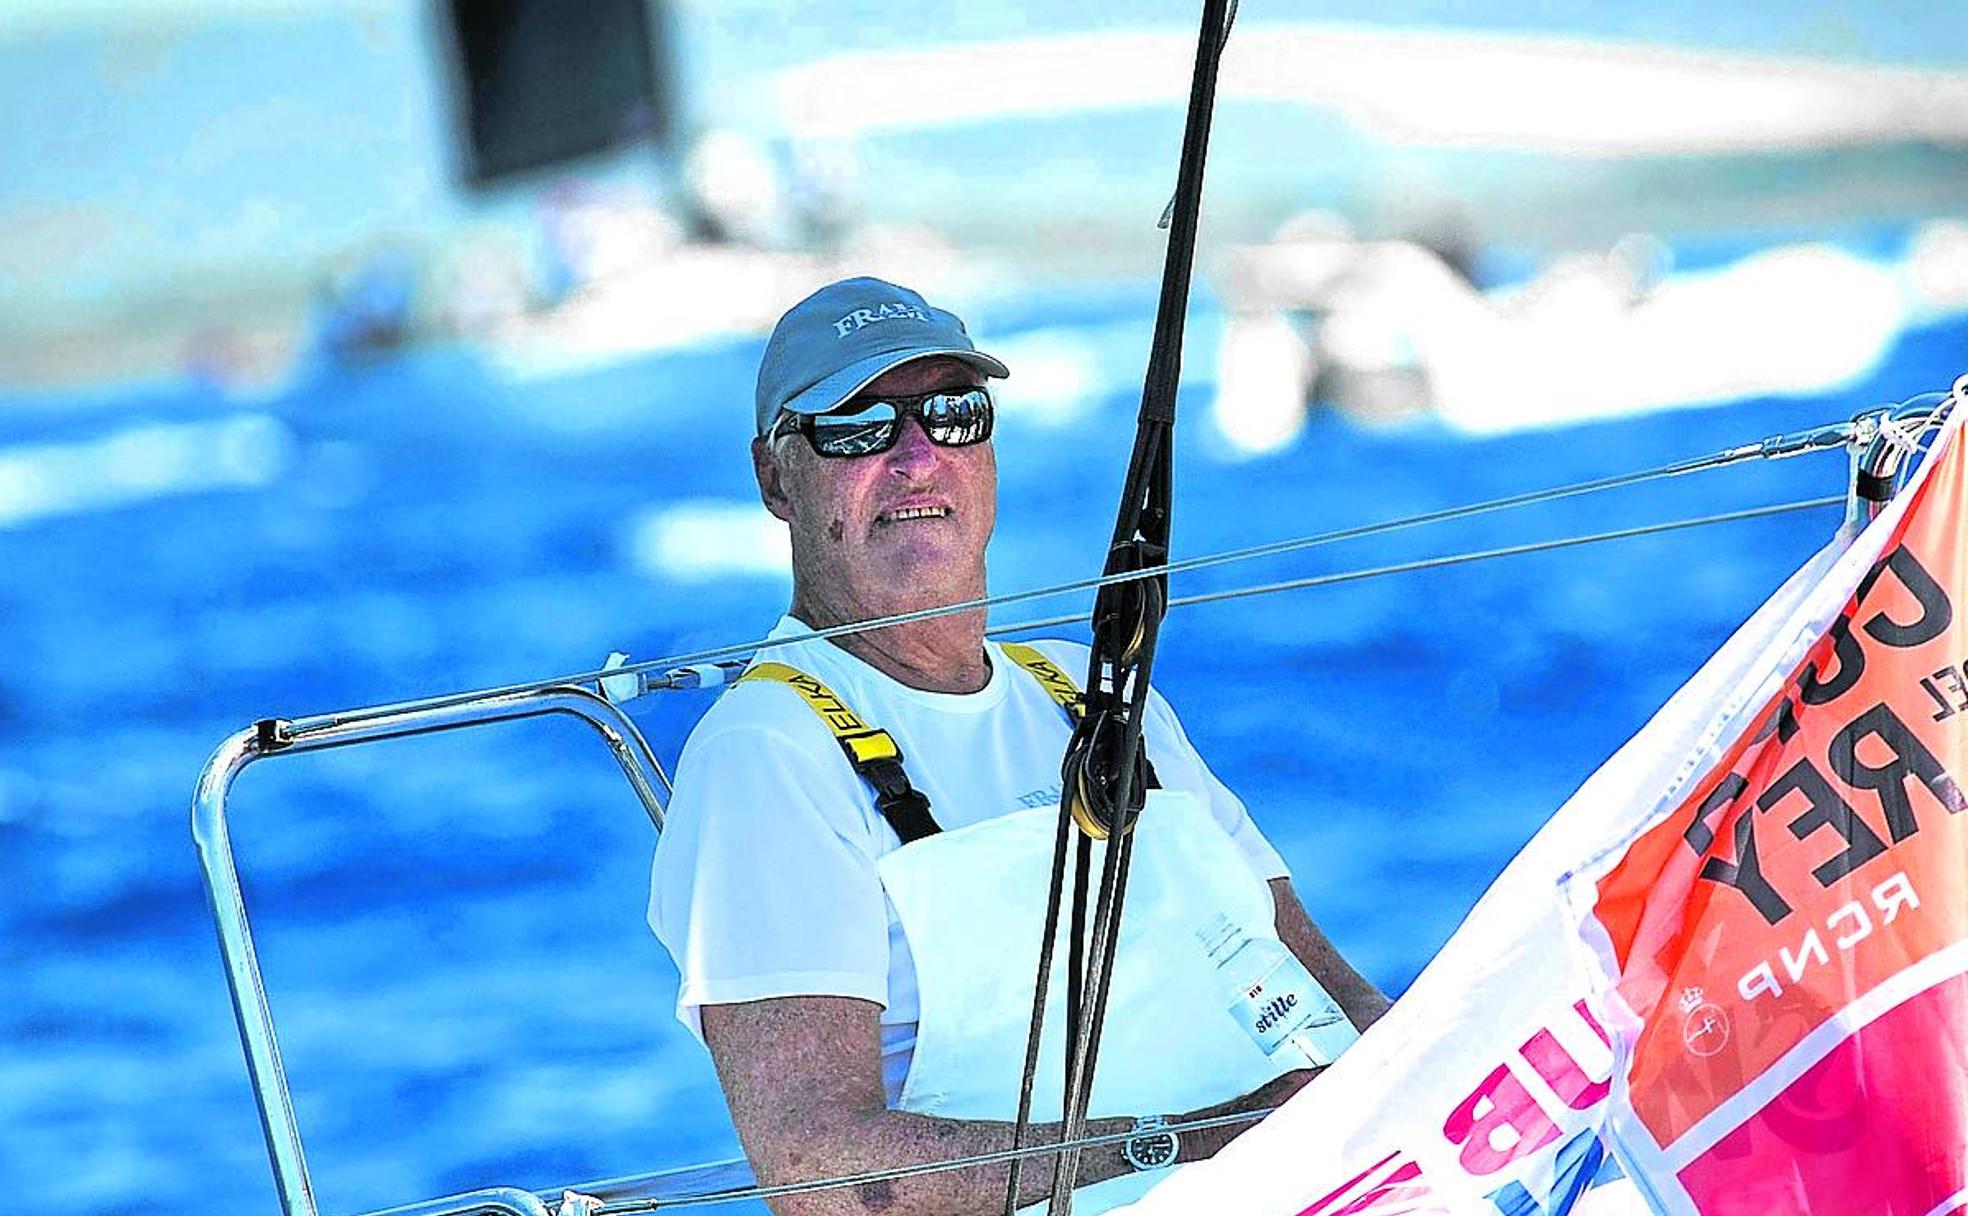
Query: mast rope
point(1103, 773)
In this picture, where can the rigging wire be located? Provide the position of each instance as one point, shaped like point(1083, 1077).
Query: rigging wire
point(621, 1207)
point(1776, 447)
point(1453, 559)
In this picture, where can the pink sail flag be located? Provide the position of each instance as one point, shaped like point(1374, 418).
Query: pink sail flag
point(1783, 954)
point(1729, 976)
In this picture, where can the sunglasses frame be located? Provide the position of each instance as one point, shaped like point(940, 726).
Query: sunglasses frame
point(906, 406)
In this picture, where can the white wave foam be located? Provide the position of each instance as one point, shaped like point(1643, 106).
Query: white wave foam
point(702, 539)
point(140, 463)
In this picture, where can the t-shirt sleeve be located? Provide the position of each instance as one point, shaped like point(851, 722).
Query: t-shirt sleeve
point(764, 881)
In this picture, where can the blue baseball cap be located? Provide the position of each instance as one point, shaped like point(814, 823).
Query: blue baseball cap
point(830, 345)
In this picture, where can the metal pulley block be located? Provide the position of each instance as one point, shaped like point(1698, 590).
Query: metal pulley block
point(1090, 779)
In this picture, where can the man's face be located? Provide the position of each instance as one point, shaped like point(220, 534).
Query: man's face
point(897, 530)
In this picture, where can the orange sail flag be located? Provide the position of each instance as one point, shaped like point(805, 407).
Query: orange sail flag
point(1787, 947)
point(1729, 975)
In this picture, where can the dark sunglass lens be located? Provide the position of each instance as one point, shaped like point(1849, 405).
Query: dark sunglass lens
point(858, 432)
point(957, 419)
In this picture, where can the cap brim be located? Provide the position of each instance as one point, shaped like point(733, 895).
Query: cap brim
point(845, 383)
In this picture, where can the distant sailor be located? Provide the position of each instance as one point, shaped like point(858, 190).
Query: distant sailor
point(854, 871)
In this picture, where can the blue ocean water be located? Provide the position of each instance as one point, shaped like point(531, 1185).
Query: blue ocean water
point(451, 928)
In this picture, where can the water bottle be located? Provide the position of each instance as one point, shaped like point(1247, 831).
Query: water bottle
point(1274, 998)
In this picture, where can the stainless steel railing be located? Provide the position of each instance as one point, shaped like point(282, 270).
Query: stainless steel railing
point(275, 737)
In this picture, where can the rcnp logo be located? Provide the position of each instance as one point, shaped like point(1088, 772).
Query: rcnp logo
point(1704, 1024)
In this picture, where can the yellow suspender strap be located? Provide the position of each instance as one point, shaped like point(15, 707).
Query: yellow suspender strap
point(1058, 685)
point(1063, 689)
point(860, 741)
point(871, 750)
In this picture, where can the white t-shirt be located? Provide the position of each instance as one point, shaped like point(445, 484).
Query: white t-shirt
point(764, 882)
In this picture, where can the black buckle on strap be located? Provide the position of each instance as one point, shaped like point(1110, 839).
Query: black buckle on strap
point(904, 806)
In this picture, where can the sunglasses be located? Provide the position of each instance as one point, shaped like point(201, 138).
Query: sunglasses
point(865, 426)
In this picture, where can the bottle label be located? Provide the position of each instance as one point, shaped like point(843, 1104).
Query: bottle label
point(1287, 1012)
point(1285, 1004)
point(1275, 1014)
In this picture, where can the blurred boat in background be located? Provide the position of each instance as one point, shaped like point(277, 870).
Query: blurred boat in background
point(1388, 330)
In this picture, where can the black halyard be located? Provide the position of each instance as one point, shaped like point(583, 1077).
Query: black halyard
point(1103, 778)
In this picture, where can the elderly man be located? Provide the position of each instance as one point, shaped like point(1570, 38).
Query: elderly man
point(853, 878)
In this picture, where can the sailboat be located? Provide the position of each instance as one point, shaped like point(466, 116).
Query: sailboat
point(1888, 446)
point(1502, 1135)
